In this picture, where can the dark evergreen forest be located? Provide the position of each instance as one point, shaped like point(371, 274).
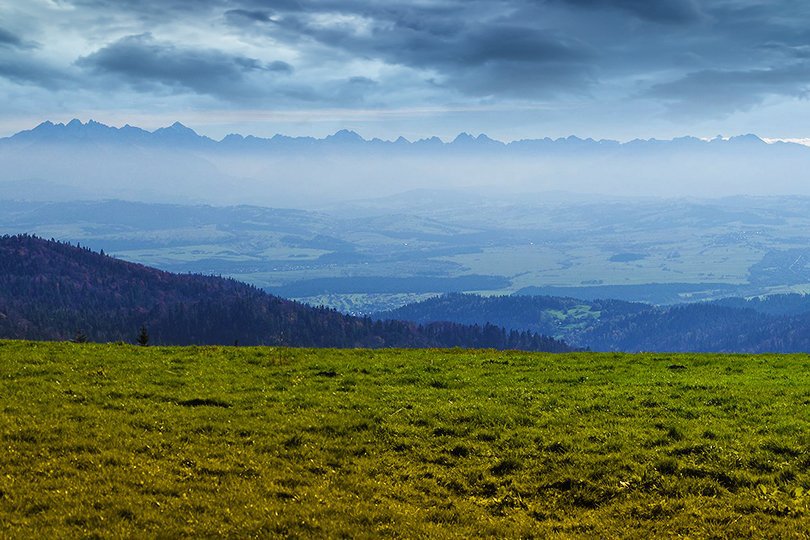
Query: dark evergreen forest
point(56, 291)
point(779, 323)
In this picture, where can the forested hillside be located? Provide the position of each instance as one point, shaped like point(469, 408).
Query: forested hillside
point(550, 315)
point(776, 304)
point(780, 324)
point(56, 291)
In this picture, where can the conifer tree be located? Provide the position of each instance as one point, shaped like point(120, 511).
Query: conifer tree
point(143, 337)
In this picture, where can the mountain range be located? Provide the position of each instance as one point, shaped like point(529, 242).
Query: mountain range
point(177, 134)
point(175, 164)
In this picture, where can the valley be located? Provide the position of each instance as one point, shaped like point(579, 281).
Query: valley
point(369, 256)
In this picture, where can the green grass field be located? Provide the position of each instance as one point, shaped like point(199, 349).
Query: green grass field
point(112, 440)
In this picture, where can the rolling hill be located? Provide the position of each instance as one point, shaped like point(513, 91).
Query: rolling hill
point(56, 291)
point(781, 324)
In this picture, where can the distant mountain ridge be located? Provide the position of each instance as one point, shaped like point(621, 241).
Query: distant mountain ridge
point(176, 164)
point(92, 131)
point(177, 133)
point(55, 291)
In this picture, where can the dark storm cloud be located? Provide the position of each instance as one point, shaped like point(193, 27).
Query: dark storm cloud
point(661, 11)
point(279, 66)
point(143, 61)
point(539, 48)
point(477, 58)
point(682, 54)
point(448, 34)
point(9, 39)
point(27, 71)
point(150, 9)
point(723, 92)
point(19, 66)
point(463, 48)
point(241, 15)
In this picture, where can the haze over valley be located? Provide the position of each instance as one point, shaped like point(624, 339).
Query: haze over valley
point(174, 164)
point(359, 253)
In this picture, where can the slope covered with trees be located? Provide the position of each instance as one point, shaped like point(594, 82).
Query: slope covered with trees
point(778, 325)
point(551, 315)
point(775, 304)
point(56, 291)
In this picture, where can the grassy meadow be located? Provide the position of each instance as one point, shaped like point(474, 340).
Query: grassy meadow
point(103, 441)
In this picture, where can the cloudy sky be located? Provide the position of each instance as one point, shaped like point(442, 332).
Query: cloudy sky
point(511, 68)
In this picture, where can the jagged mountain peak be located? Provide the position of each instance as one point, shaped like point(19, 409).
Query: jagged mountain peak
point(175, 129)
point(345, 135)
